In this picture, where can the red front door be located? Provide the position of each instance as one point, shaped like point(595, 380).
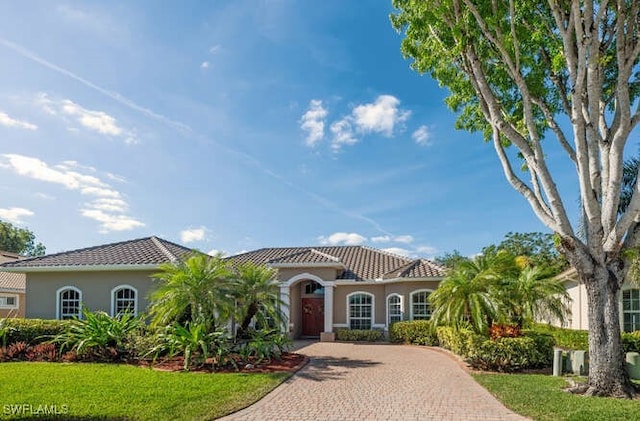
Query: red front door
point(312, 316)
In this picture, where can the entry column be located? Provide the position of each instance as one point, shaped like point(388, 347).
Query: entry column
point(285, 303)
point(328, 335)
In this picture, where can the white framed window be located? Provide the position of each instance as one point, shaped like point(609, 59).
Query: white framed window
point(124, 298)
point(420, 308)
point(395, 310)
point(68, 303)
point(9, 301)
point(360, 307)
point(631, 310)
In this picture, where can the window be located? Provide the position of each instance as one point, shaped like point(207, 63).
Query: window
point(69, 303)
point(394, 309)
point(360, 310)
point(123, 300)
point(8, 301)
point(420, 309)
point(313, 288)
point(631, 310)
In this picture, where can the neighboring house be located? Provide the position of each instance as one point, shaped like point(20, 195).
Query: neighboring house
point(578, 319)
point(354, 287)
point(112, 277)
point(12, 296)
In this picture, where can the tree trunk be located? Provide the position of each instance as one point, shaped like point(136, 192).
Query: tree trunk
point(251, 312)
point(607, 371)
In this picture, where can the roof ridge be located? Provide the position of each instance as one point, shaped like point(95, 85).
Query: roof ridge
point(389, 253)
point(158, 243)
point(401, 270)
point(328, 256)
point(295, 253)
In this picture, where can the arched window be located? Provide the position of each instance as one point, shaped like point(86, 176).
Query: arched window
point(631, 310)
point(68, 303)
point(394, 308)
point(360, 306)
point(124, 298)
point(420, 309)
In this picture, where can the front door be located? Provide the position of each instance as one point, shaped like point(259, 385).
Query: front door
point(312, 316)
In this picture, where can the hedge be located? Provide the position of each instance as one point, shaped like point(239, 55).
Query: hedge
point(513, 354)
point(417, 332)
point(30, 331)
point(579, 339)
point(356, 335)
point(459, 341)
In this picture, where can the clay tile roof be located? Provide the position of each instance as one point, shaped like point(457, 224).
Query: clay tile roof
point(360, 262)
point(143, 251)
point(419, 268)
point(305, 256)
point(12, 281)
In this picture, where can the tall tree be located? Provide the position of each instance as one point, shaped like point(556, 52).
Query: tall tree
point(19, 240)
point(537, 248)
point(451, 260)
point(567, 70)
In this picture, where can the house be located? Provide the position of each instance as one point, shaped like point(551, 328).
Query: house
point(354, 287)
point(12, 294)
point(111, 277)
point(322, 288)
point(578, 319)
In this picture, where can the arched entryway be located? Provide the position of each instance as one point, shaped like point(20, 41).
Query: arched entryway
point(309, 306)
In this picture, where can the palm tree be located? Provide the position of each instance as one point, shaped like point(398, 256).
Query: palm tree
point(257, 294)
point(534, 295)
point(468, 294)
point(194, 291)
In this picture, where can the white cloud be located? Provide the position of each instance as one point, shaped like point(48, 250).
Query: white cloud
point(406, 239)
point(205, 65)
point(381, 239)
point(215, 48)
point(399, 251)
point(111, 222)
point(381, 116)
point(7, 121)
point(342, 133)
point(193, 234)
point(427, 250)
point(422, 136)
point(98, 121)
point(108, 207)
point(313, 122)
point(344, 238)
point(14, 215)
point(216, 252)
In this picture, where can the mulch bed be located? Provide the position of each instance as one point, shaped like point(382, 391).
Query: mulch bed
point(288, 362)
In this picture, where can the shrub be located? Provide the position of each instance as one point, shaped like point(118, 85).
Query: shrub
point(631, 341)
point(512, 354)
point(497, 330)
point(356, 335)
point(42, 352)
point(564, 338)
point(418, 332)
point(458, 341)
point(30, 331)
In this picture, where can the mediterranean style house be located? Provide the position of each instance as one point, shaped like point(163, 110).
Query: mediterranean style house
point(578, 319)
point(353, 287)
point(112, 277)
point(322, 288)
point(12, 294)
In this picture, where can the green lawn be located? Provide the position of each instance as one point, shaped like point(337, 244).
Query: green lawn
point(108, 391)
point(542, 398)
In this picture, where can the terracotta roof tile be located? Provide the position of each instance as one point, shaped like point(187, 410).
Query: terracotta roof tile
point(12, 281)
point(361, 263)
point(150, 250)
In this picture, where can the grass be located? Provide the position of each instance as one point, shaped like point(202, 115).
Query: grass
point(108, 391)
point(541, 397)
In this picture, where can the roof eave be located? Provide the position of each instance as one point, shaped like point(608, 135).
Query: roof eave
point(387, 281)
point(81, 268)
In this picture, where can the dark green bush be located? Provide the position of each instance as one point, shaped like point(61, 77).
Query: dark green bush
point(512, 354)
point(418, 332)
point(458, 341)
point(355, 335)
point(30, 331)
point(564, 338)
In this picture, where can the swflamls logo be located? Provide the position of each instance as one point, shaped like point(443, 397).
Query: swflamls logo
point(28, 409)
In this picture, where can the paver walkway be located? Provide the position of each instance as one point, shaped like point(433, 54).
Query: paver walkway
point(346, 381)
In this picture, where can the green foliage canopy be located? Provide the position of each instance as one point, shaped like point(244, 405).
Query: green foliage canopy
point(19, 240)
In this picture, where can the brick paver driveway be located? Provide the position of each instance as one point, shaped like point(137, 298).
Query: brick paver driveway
point(346, 381)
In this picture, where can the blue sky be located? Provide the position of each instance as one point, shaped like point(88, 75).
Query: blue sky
point(234, 125)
